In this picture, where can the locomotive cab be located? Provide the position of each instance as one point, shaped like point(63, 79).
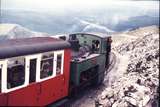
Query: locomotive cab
point(89, 59)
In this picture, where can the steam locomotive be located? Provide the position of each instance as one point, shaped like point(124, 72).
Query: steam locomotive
point(41, 70)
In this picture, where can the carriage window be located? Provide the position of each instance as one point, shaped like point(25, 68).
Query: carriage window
point(15, 72)
point(46, 65)
point(59, 64)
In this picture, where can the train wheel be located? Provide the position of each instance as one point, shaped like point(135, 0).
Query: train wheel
point(73, 92)
point(98, 76)
point(102, 77)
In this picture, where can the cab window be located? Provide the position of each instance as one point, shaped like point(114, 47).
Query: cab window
point(95, 45)
point(46, 69)
point(15, 72)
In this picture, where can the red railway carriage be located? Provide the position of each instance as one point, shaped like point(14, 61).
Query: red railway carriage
point(33, 71)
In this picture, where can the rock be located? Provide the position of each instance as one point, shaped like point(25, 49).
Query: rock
point(120, 104)
point(103, 95)
point(115, 104)
point(139, 81)
point(105, 103)
point(107, 93)
point(131, 101)
point(145, 100)
point(112, 100)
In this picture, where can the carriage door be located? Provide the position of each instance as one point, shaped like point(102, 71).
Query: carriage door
point(33, 67)
point(3, 97)
point(59, 73)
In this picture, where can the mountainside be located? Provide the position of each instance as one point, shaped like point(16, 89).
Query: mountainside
point(85, 26)
point(12, 31)
point(136, 85)
point(91, 27)
point(99, 20)
point(138, 21)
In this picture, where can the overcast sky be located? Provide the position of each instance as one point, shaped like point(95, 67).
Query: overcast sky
point(75, 4)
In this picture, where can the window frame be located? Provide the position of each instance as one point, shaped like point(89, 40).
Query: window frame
point(39, 79)
point(62, 61)
point(4, 77)
point(54, 65)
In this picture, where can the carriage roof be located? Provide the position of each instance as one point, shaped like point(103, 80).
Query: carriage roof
point(26, 46)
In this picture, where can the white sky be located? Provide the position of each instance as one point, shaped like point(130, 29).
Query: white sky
point(62, 4)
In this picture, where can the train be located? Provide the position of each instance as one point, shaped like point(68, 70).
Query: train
point(40, 71)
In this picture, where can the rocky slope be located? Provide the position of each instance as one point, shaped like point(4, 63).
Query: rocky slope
point(139, 82)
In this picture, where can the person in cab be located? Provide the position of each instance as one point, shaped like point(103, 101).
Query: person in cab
point(108, 50)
